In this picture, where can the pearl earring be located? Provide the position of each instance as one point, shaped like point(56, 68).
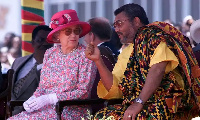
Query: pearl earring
point(56, 40)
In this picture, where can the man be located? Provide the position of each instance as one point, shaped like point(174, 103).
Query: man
point(100, 33)
point(161, 80)
point(27, 69)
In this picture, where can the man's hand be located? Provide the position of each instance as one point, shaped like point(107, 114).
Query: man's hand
point(92, 52)
point(132, 111)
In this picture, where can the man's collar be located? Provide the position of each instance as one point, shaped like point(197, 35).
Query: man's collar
point(100, 43)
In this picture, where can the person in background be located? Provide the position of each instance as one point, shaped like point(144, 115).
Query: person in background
point(66, 73)
point(187, 22)
point(114, 44)
point(17, 44)
point(7, 44)
point(12, 55)
point(100, 33)
point(195, 39)
point(161, 80)
point(8, 40)
point(27, 69)
point(5, 65)
point(15, 51)
point(1, 81)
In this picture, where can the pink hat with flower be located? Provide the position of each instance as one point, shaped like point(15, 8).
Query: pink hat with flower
point(64, 19)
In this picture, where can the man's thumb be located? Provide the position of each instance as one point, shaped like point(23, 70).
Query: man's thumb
point(92, 43)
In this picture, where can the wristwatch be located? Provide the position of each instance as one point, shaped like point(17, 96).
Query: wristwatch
point(138, 100)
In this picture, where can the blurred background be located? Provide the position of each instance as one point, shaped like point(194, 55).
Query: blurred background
point(157, 10)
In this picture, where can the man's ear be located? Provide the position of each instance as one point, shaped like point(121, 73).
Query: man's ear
point(92, 36)
point(136, 21)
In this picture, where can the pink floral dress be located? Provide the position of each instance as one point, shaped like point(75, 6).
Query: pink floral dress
point(70, 76)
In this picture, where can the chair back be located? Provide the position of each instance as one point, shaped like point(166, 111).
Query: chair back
point(5, 93)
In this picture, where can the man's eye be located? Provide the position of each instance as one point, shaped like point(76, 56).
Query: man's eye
point(119, 22)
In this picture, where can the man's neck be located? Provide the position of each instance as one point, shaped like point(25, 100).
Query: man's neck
point(38, 55)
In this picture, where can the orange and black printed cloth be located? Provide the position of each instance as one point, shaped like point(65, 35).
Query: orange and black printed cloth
point(169, 101)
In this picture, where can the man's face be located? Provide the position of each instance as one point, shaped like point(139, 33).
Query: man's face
point(124, 28)
point(40, 43)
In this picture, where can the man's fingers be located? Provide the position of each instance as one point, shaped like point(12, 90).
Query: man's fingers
point(133, 117)
point(90, 49)
point(92, 43)
point(126, 116)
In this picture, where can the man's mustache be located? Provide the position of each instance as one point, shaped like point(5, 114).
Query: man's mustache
point(119, 33)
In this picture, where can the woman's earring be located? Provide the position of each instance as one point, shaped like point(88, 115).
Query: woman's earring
point(56, 40)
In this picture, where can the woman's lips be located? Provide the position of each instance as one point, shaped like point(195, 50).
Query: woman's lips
point(73, 40)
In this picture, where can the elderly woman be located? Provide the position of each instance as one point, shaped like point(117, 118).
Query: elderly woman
point(66, 73)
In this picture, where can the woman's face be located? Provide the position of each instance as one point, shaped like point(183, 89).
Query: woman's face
point(69, 36)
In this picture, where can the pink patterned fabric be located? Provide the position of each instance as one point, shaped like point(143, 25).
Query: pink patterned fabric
point(70, 77)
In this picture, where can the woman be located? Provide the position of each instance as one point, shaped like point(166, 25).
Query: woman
point(66, 73)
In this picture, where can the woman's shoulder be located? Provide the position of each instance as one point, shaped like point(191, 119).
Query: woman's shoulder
point(52, 49)
point(55, 47)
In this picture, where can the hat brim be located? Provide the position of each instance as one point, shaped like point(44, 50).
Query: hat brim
point(84, 25)
point(195, 31)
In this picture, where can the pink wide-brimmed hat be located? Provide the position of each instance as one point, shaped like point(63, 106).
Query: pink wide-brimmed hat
point(64, 19)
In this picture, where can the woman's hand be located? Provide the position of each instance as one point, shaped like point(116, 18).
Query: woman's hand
point(43, 100)
point(26, 106)
point(92, 52)
point(132, 111)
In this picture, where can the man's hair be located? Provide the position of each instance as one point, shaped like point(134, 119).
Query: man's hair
point(133, 10)
point(38, 28)
point(101, 28)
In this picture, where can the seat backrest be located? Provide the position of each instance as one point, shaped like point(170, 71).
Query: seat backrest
point(3, 97)
point(5, 93)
